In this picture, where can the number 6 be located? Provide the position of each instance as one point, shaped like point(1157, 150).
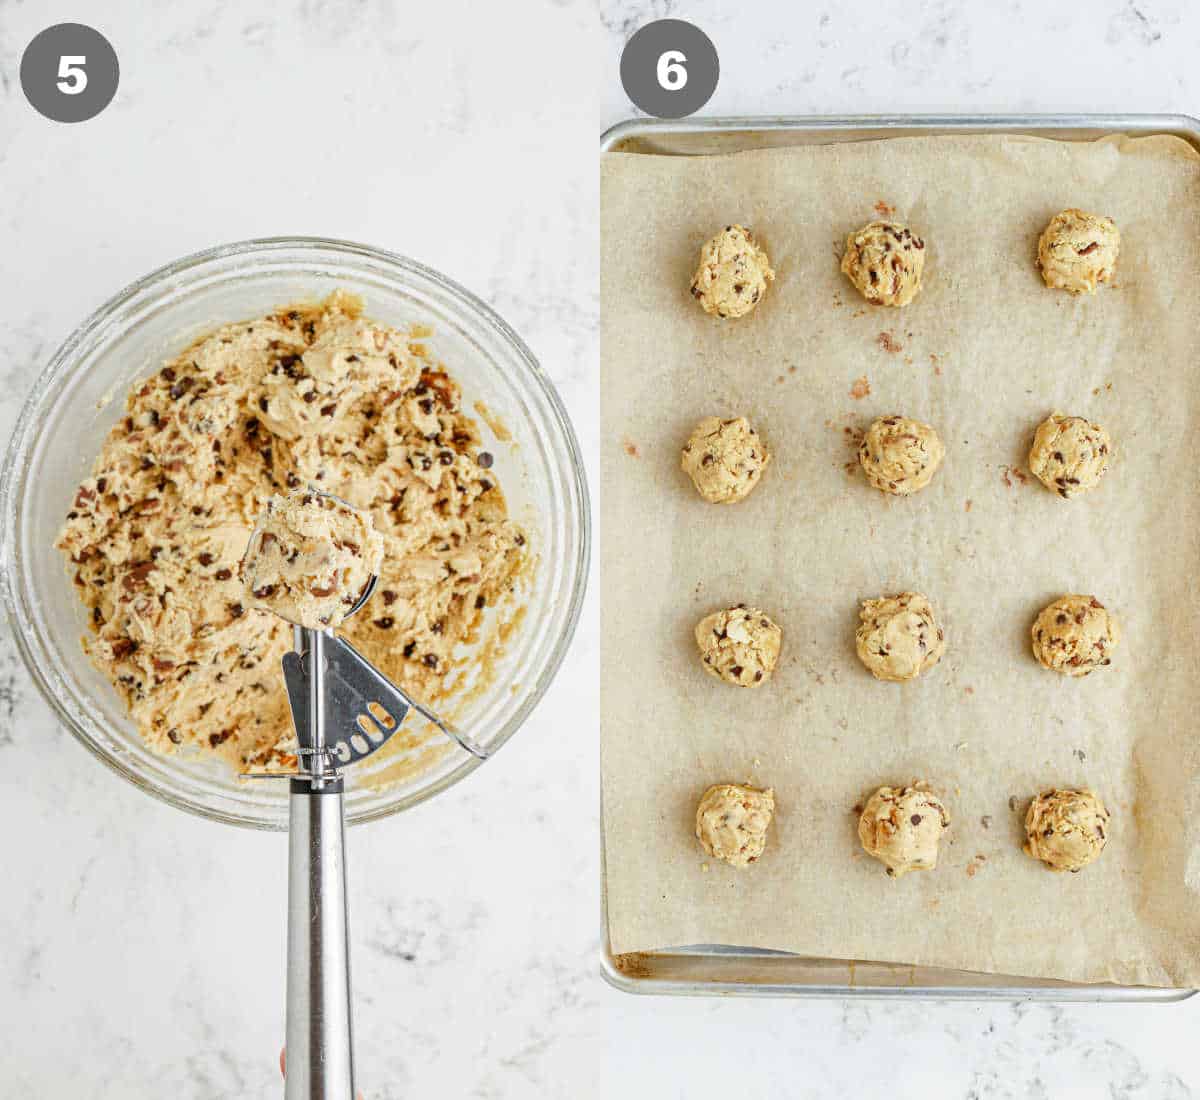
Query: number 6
point(71, 77)
point(671, 74)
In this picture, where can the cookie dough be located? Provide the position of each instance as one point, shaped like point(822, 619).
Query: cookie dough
point(1066, 830)
point(1075, 635)
point(739, 645)
point(732, 822)
point(310, 557)
point(725, 459)
point(901, 827)
point(733, 273)
point(1078, 250)
point(899, 637)
point(1069, 454)
point(155, 534)
point(900, 455)
point(885, 261)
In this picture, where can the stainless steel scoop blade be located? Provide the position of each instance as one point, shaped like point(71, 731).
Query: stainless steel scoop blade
point(363, 708)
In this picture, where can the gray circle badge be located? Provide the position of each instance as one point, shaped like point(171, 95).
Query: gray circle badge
point(669, 68)
point(69, 72)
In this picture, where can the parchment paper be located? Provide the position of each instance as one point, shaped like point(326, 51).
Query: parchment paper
point(985, 353)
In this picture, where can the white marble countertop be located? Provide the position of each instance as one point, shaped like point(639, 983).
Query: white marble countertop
point(144, 948)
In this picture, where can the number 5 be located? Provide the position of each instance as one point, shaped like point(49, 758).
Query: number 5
point(671, 74)
point(71, 77)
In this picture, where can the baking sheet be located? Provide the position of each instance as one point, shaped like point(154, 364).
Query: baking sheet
point(984, 354)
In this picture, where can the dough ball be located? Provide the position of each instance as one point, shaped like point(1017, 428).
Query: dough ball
point(899, 637)
point(1075, 635)
point(724, 459)
point(1066, 830)
point(1069, 454)
point(1078, 250)
point(310, 557)
point(740, 645)
point(733, 273)
point(885, 260)
point(901, 828)
point(900, 455)
point(732, 822)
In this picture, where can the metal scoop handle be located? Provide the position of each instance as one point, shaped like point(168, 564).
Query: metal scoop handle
point(320, 1033)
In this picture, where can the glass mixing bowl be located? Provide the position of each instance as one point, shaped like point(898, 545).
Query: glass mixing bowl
point(81, 394)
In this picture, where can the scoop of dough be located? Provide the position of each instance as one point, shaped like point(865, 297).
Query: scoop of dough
point(1069, 454)
point(900, 455)
point(885, 260)
point(739, 645)
point(901, 828)
point(732, 821)
point(724, 459)
point(733, 273)
point(1066, 830)
point(899, 637)
point(1075, 635)
point(1078, 250)
point(310, 557)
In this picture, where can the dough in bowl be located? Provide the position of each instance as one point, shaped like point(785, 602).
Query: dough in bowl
point(1066, 829)
point(732, 822)
point(901, 827)
point(310, 557)
point(733, 273)
point(739, 645)
point(311, 393)
point(725, 459)
point(899, 637)
point(884, 260)
point(1077, 251)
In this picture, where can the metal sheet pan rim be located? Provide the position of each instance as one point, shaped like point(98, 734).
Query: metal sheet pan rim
point(843, 128)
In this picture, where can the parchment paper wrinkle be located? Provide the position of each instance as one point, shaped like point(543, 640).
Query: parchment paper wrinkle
point(984, 354)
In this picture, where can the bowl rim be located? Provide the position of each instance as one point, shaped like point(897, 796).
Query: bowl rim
point(60, 363)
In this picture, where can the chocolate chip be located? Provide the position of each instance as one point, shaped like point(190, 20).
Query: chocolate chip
point(430, 660)
point(385, 623)
point(410, 649)
point(206, 558)
point(329, 410)
point(479, 602)
point(223, 574)
point(915, 819)
point(236, 610)
point(389, 597)
point(168, 373)
point(485, 460)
